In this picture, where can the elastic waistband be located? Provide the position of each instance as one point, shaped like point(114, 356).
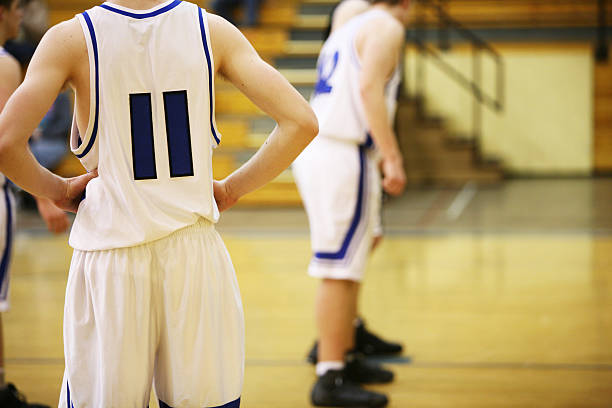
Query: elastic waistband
point(202, 224)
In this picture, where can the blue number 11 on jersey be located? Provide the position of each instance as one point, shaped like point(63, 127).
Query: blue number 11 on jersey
point(178, 135)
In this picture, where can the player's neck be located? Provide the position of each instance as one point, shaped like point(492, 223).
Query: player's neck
point(138, 4)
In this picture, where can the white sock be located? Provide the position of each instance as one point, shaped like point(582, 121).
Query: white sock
point(325, 366)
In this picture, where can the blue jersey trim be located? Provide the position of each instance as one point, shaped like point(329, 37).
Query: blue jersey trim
point(70, 404)
point(210, 77)
point(341, 253)
point(369, 142)
point(142, 15)
point(233, 404)
point(94, 43)
point(6, 253)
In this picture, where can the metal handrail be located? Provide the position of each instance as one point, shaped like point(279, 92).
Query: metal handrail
point(446, 24)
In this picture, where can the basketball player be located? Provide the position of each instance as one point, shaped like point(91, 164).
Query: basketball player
point(339, 180)
point(10, 77)
point(366, 342)
point(151, 294)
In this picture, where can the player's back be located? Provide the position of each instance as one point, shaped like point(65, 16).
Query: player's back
point(151, 124)
point(337, 100)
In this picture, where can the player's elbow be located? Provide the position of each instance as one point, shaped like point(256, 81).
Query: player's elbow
point(309, 124)
point(304, 123)
point(5, 145)
point(10, 148)
point(5, 150)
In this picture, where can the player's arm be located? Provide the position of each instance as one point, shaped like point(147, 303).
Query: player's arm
point(269, 90)
point(379, 55)
point(10, 72)
point(50, 68)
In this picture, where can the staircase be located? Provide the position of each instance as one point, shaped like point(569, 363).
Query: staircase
point(433, 156)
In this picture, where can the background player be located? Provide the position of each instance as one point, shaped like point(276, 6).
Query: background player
point(10, 77)
point(339, 180)
point(366, 342)
point(151, 291)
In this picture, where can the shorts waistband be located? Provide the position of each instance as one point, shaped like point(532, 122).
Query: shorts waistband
point(202, 224)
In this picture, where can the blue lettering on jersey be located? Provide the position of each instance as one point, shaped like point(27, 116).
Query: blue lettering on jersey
point(178, 135)
point(326, 68)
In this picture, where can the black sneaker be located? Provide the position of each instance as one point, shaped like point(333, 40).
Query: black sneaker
point(334, 389)
point(362, 371)
point(369, 344)
point(10, 397)
point(366, 342)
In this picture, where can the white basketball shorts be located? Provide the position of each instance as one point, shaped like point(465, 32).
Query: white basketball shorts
point(167, 312)
point(340, 186)
point(7, 234)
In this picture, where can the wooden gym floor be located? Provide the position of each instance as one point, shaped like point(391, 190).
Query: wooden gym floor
point(502, 297)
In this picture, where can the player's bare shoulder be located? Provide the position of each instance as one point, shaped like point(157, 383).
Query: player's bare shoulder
point(227, 41)
point(383, 30)
point(67, 38)
point(347, 10)
point(386, 27)
point(64, 47)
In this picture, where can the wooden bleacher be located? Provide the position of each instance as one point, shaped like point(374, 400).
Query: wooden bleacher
point(274, 39)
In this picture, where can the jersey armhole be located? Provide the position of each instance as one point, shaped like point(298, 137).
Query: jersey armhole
point(206, 43)
point(82, 144)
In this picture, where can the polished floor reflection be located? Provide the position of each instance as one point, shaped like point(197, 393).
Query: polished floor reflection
point(502, 313)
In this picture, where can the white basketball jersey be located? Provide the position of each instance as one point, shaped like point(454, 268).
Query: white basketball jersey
point(336, 99)
point(151, 127)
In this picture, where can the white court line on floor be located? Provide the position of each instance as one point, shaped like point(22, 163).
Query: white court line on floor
point(461, 201)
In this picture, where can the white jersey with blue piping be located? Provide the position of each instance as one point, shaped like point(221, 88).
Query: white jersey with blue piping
point(336, 99)
point(151, 129)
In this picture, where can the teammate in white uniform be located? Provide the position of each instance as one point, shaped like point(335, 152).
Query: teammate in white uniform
point(339, 180)
point(151, 294)
point(10, 77)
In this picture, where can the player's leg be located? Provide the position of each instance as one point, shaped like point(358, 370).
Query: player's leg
point(110, 329)
point(200, 360)
point(332, 179)
point(334, 315)
point(9, 395)
point(366, 341)
point(7, 213)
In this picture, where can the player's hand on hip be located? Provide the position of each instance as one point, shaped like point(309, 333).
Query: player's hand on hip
point(223, 197)
point(394, 177)
point(75, 187)
point(55, 218)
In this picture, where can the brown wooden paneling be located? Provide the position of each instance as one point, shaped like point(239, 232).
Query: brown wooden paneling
point(602, 145)
point(522, 13)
